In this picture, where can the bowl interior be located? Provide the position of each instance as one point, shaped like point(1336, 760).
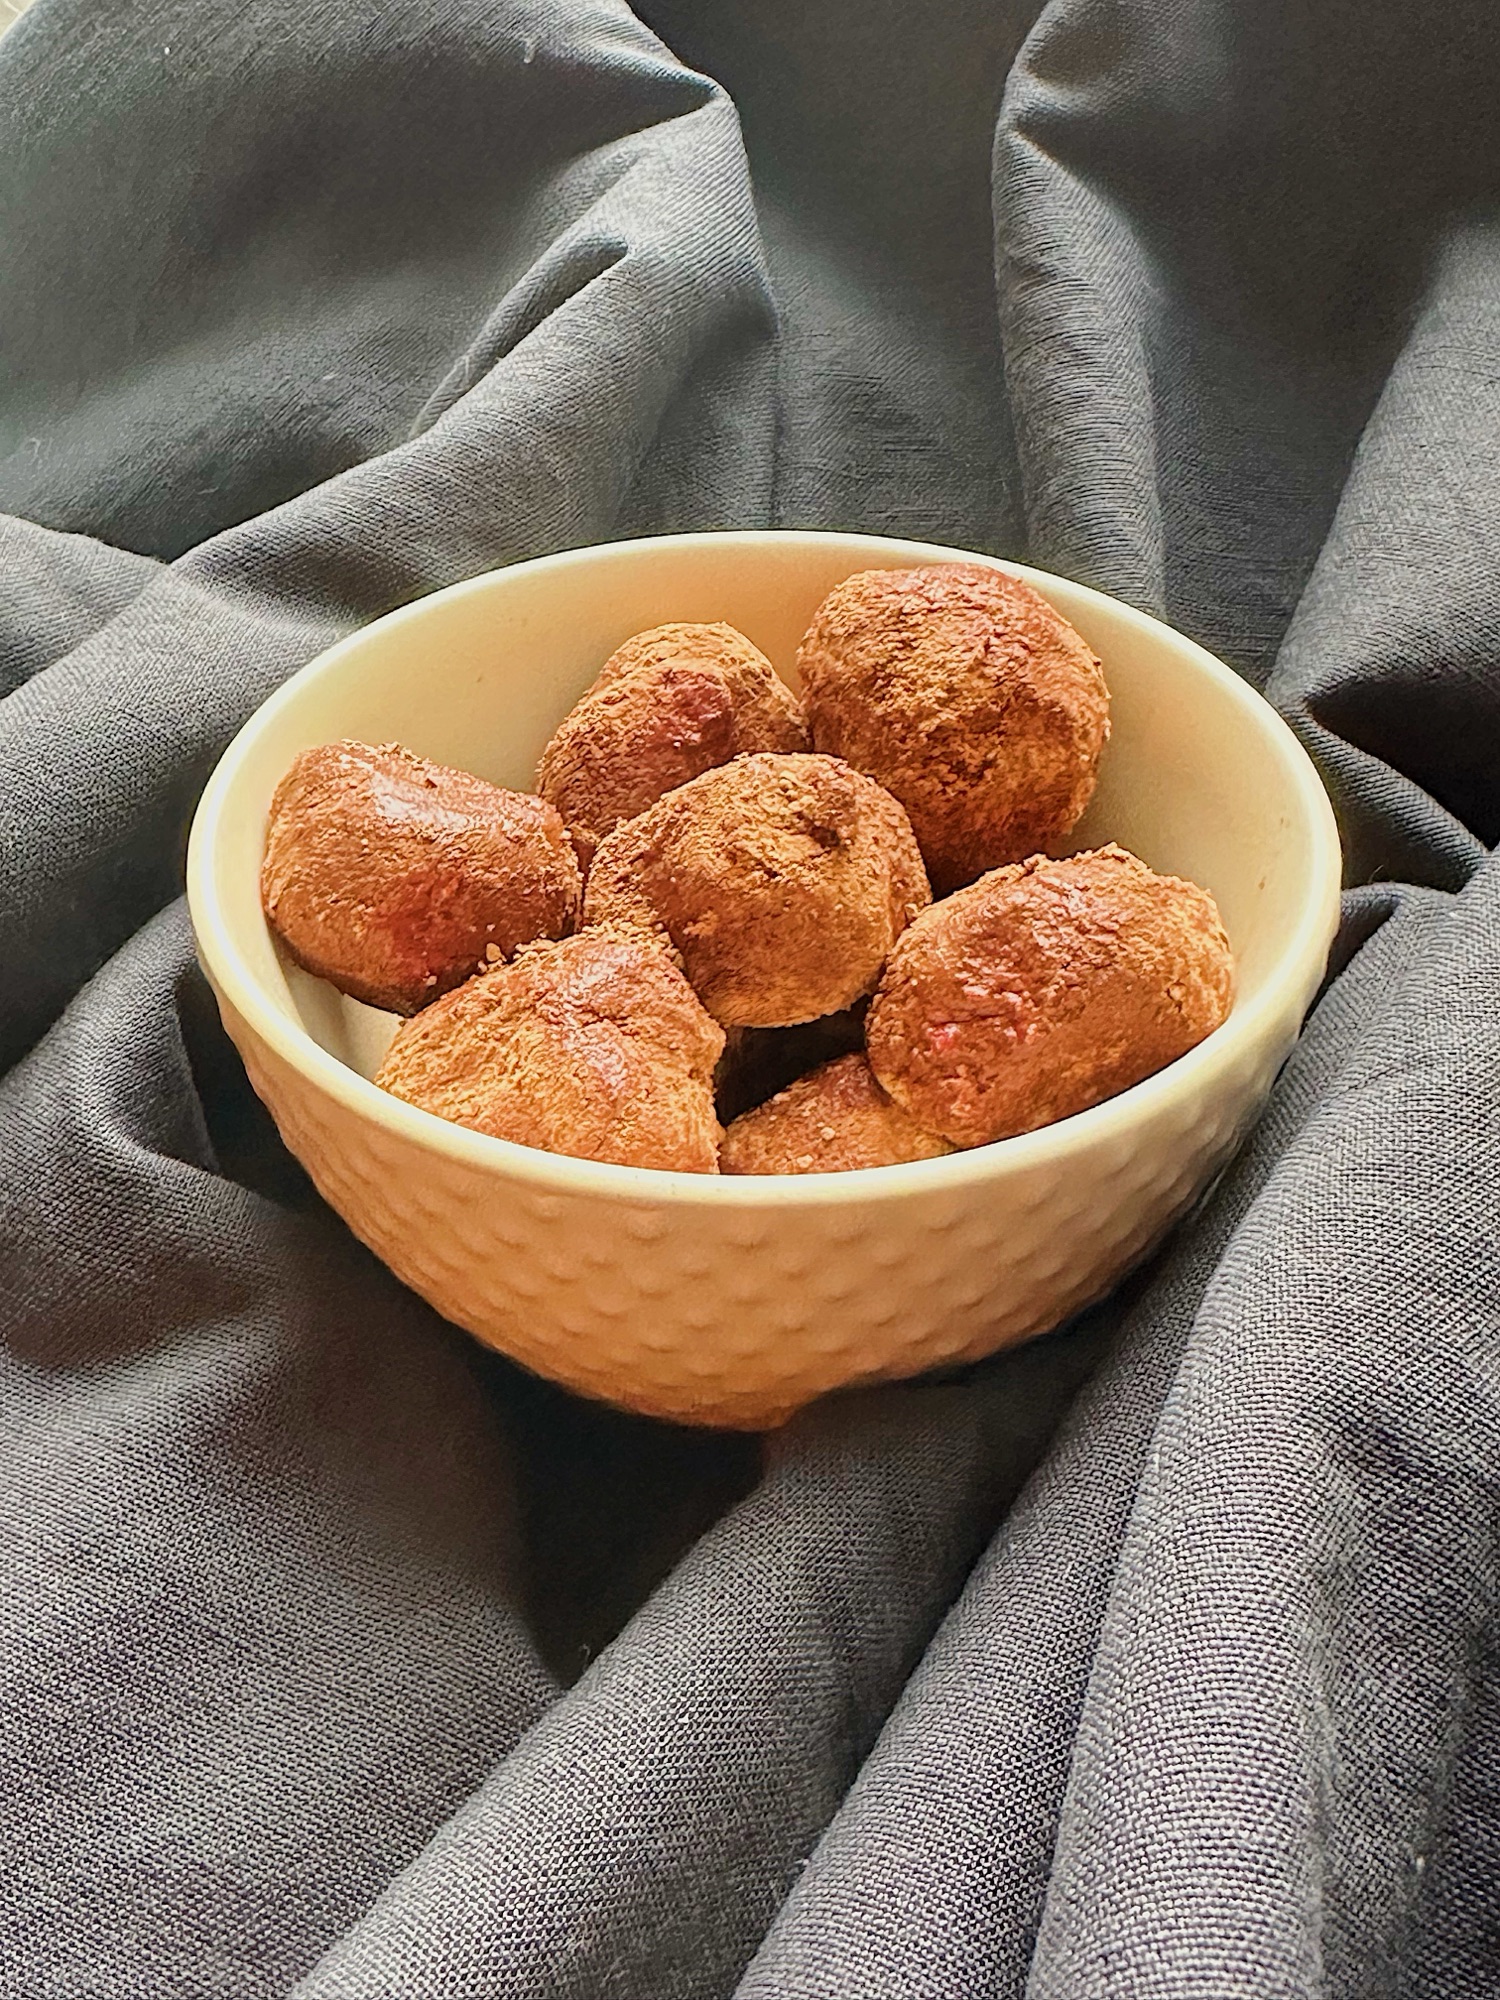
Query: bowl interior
point(1200, 777)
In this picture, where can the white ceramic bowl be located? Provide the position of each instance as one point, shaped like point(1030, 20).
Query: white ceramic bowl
point(733, 1301)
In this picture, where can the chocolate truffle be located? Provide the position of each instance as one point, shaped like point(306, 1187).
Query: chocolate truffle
point(830, 1121)
point(595, 1046)
point(757, 1062)
point(668, 705)
point(966, 695)
point(783, 882)
point(1045, 988)
point(395, 878)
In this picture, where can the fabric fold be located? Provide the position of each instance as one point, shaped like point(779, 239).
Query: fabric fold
point(339, 1657)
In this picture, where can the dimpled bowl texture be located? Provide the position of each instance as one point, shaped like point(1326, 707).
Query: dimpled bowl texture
point(733, 1301)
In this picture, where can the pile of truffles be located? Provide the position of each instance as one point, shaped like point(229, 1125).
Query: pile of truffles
point(718, 905)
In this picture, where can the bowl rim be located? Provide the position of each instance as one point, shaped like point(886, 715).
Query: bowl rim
point(1295, 973)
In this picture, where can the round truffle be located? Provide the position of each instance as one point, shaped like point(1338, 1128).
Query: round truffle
point(1045, 988)
point(668, 705)
point(595, 1046)
point(395, 878)
point(831, 1121)
point(966, 695)
point(783, 882)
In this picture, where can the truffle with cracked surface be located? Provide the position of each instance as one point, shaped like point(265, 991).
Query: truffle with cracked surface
point(783, 882)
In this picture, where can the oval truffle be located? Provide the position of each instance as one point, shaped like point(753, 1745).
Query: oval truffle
point(1045, 988)
point(395, 878)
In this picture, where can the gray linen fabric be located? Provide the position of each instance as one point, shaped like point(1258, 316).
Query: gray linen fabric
point(338, 1658)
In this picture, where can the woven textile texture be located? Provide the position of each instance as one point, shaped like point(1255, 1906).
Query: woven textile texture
point(1157, 1661)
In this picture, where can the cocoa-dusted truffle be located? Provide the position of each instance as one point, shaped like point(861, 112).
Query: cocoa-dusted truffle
point(596, 1047)
point(831, 1121)
point(757, 1062)
point(395, 878)
point(782, 881)
point(668, 705)
point(966, 695)
point(1043, 989)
